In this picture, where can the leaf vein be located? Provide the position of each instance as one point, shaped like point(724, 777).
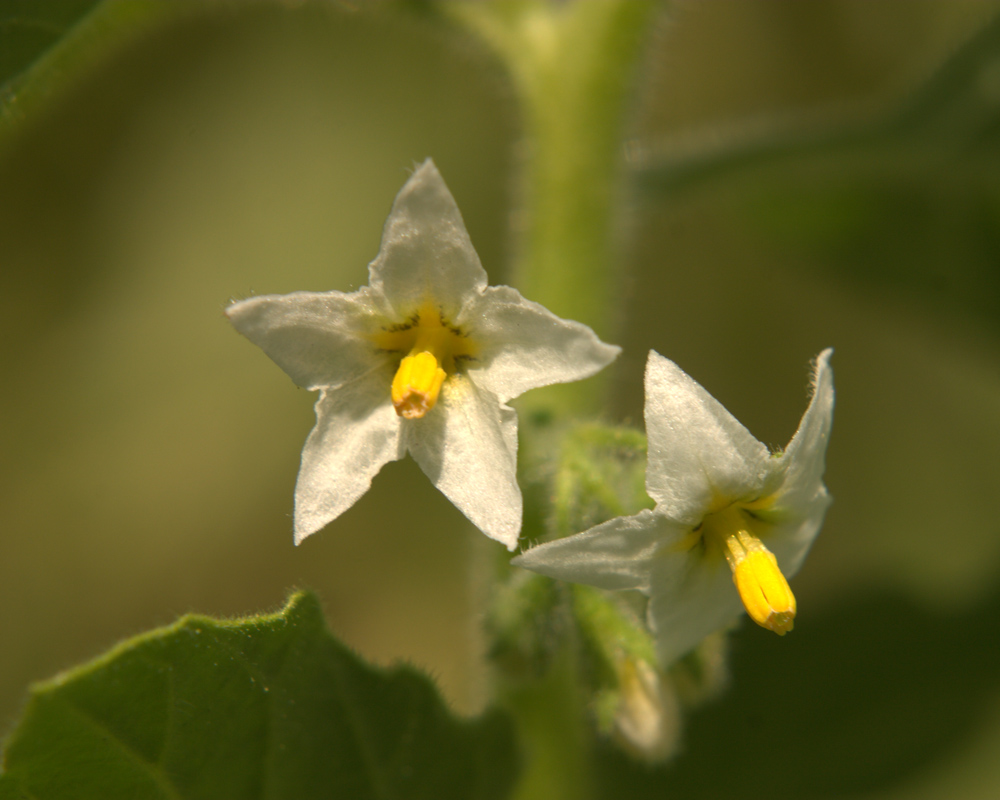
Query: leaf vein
point(134, 755)
point(355, 719)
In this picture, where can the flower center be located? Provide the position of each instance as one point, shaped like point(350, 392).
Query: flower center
point(763, 589)
point(432, 347)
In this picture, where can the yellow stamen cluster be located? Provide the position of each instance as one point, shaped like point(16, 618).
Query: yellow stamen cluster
point(417, 384)
point(431, 346)
point(763, 589)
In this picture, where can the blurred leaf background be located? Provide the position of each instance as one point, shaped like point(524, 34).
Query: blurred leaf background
point(149, 454)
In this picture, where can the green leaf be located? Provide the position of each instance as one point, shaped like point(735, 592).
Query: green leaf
point(263, 707)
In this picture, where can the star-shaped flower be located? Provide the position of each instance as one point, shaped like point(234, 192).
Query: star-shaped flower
point(727, 511)
point(422, 360)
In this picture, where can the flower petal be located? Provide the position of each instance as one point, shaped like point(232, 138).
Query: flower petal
point(617, 554)
point(524, 345)
point(426, 254)
point(467, 446)
point(319, 339)
point(698, 451)
point(692, 597)
point(802, 499)
point(791, 539)
point(805, 457)
point(357, 432)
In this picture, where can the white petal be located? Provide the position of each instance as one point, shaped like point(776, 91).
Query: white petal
point(617, 554)
point(802, 499)
point(697, 450)
point(692, 597)
point(319, 339)
point(467, 446)
point(426, 255)
point(356, 434)
point(791, 539)
point(524, 345)
point(805, 457)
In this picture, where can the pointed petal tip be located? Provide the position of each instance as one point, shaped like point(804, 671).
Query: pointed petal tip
point(235, 310)
point(525, 559)
point(822, 379)
point(661, 365)
point(427, 164)
point(527, 556)
point(424, 172)
point(239, 311)
point(232, 307)
point(303, 532)
point(614, 555)
point(423, 175)
point(609, 352)
point(822, 361)
point(508, 536)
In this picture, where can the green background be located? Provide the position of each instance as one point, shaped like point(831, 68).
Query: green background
point(148, 452)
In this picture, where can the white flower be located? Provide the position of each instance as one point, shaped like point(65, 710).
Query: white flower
point(721, 498)
point(422, 360)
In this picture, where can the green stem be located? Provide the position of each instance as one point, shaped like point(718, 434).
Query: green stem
point(572, 66)
point(555, 745)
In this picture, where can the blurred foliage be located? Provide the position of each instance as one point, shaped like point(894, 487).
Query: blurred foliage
point(874, 196)
point(46, 48)
point(268, 706)
point(28, 29)
point(817, 720)
point(806, 177)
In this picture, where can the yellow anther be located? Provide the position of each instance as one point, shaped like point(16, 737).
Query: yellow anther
point(417, 384)
point(763, 589)
point(432, 347)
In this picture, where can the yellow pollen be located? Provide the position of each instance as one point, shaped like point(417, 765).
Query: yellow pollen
point(763, 589)
point(417, 384)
